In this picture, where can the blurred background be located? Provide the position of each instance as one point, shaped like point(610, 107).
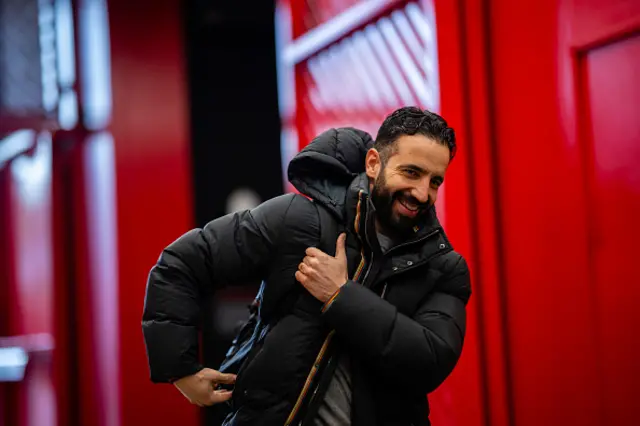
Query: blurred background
point(125, 124)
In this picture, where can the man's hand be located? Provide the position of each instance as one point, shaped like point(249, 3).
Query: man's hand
point(199, 388)
point(323, 275)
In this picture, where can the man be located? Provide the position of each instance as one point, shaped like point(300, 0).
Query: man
point(356, 337)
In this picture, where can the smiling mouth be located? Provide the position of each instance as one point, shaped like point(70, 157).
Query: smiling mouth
point(408, 209)
point(409, 206)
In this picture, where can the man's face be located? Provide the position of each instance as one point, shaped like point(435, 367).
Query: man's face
point(407, 185)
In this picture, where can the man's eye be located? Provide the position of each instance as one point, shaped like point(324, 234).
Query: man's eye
point(412, 173)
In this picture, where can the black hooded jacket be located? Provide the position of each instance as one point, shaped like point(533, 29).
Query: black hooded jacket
point(400, 318)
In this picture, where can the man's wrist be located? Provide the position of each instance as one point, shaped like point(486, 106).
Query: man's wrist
point(333, 297)
point(185, 371)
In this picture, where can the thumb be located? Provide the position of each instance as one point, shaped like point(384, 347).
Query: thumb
point(216, 376)
point(341, 252)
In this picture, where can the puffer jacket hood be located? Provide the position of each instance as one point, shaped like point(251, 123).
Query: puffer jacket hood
point(324, 169)
point(333, 165)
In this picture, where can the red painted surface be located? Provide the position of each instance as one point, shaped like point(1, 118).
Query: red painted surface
point(29, 273)
point(542, 199)
point(544, 317)
point(460, 47)
point(556, 360)
point(92, 315)
point(541, 226)
point(62, 221)
point(154, 200)
point(614, 199)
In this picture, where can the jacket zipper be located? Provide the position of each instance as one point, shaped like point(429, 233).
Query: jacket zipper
point(384, 291)
point(366, 274)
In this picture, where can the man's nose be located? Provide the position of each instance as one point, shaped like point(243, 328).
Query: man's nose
point(421, 192)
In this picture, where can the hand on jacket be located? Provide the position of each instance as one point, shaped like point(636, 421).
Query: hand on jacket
point(323, 275)
point(199, 388)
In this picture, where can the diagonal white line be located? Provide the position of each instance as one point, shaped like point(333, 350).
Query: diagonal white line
point(322, 36)
point(416, 79)
point(350, 85)
point(323, 89)
point(408, 35)
point(362, 73)
point(334, 80)
point(421, 25)
point(369, 59)
point(393, 72)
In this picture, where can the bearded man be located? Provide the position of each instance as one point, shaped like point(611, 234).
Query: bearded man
point(356, 334)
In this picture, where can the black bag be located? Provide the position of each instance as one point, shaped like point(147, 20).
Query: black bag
point(255, 329)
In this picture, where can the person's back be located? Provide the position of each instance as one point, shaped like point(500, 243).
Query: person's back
point(358, 335)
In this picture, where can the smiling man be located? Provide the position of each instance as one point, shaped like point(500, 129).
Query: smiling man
point(354, 334)
point(406, 170)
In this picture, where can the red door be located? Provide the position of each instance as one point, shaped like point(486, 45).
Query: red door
point(610, 139)
point(546, 97)
point(567, 130)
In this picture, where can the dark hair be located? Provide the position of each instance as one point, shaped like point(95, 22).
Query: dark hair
point(411, 121)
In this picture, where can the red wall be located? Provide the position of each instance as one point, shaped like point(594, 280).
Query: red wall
point(154, 201)
point(510, 77)
point(532, 201)
point(528, 87)
point(27, 291)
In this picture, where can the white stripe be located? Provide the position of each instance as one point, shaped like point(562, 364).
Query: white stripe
point(402, 24)
point(393, 72)
point(331, 31)
point(334, 81)
point(316, 73)
point(95, 63)
point(404, 59)
point(368, 57)
point(362, 73)
point(102, 227)
point(421, 25)
point(284, 70)
point(352, 85)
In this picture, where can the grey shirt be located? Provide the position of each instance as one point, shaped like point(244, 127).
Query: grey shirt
point(335, 409)
point(385, 242)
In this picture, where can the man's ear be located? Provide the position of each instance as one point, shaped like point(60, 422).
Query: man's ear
point(373, 163)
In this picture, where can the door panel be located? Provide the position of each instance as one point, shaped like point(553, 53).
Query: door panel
point(610, 82)
point(564, 126)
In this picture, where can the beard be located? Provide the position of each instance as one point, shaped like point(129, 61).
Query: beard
point(391, 222)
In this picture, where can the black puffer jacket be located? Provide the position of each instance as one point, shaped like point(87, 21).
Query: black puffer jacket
point(401, 318)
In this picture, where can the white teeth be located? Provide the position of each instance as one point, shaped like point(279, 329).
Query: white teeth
point(411, 207)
